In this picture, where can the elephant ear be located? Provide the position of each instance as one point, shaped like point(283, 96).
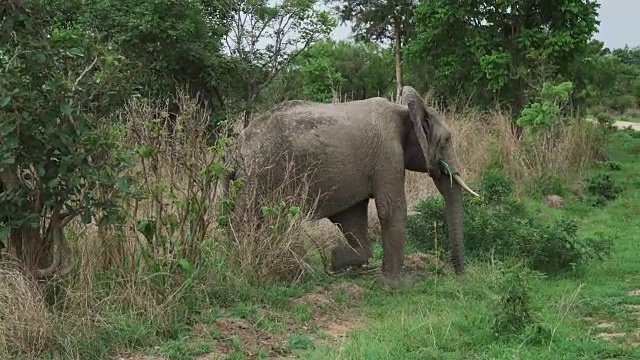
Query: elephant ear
point(419, 117)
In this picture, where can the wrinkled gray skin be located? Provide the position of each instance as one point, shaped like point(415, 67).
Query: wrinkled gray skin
point(359, 151)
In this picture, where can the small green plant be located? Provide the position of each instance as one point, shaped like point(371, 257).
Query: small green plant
point(299, 341)
point(601, 188)
point(496, 185)
point(302, 313)
point(540, 115)
point(610, 165)
point(604, 119)
point(513, 311)
point(547, 184)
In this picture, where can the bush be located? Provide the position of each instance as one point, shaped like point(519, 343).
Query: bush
point(496, 185)
point(601, 188)
point(513, 312)
point(501, 225)
point(622, 103)
point(547, 184)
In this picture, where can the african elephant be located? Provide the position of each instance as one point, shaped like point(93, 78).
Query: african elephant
point(359, 150)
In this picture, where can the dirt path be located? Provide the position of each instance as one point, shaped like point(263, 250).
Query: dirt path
point(624, 124)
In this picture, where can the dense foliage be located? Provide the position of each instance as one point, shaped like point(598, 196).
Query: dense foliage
point(500, 225)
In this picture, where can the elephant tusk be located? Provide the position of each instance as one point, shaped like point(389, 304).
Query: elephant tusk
point(464, 186)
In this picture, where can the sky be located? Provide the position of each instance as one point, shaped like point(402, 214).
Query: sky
point(614, 16)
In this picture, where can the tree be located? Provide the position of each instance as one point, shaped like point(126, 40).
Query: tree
point(610, 79)
point(366, 67)
point(170, 44)
point(381, 20)
point(501, 50)
point(266, 38)
point(352, 70)
point(57, 83)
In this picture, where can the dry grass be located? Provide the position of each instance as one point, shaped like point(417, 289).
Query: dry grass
point(278, 248)
point(562, 150)
point(26, 323)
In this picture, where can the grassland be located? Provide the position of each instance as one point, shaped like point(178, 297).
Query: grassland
point(592, 313)
point(207, 299)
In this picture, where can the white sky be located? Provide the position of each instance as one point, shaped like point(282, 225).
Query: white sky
point(614, 15)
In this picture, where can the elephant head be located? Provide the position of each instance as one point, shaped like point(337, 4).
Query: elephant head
point(428, 148)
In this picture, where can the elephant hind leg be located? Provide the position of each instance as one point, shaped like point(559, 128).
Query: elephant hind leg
point(353, 223)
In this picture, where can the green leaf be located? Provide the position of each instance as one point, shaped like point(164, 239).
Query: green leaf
point(266, 211)
point(75, 52)
point(185, 265)
point(53, 183)
point(40, 57)
point(217, 168)
point(86, 216)
point(4, 233)
point(66, 108)
point(146, 228)
point(145, 151)
point(8, 160)
point(294, 210)
point(6, 129)
point(123, 184)
point(4, 101)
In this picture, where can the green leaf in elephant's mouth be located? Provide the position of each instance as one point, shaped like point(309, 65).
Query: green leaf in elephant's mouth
point(446, 166)
point(448, 170)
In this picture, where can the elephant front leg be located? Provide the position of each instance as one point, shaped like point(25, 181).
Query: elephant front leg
point(353, 223)
point(392, 212)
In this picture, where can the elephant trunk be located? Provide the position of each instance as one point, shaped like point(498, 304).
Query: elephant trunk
point(451, 186)
point(453, 199)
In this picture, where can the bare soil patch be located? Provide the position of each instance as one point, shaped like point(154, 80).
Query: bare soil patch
point(131, 356)
point(250, 339)
point(327, 318)
point(611, 336)
point(322, 299)
point(605, 325)
point(420, 265)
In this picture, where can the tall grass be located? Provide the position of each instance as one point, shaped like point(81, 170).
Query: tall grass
point(277, 248)
point(167, 258)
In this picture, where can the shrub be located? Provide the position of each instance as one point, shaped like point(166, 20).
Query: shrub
point(513, 312)
point(601, 188)
point(504, 227)
point(622, 103)
point(496, 185)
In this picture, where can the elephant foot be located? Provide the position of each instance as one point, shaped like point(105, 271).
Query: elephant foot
point(343, 257)
point(393, 282)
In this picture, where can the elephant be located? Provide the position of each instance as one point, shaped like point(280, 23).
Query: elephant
point(358, 151)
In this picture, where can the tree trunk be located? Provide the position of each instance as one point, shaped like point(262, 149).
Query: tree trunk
point(31, 248)
point(516, 107)
point(34, 251)
point(398, 59)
